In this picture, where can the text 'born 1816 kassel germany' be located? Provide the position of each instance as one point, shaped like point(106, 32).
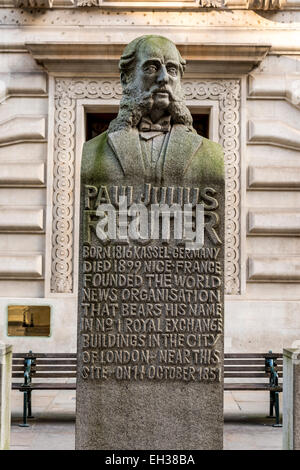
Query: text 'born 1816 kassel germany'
point(151, 268)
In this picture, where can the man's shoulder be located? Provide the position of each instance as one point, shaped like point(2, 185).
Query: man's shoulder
point(92, 146)
point(210, 160)
point(213, 148)
point(97, 159)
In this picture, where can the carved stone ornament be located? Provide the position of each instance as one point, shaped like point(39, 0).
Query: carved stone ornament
point(87, 3)
point(223, 4)
point(67, 91)
point(210, 3)
point(266, 4)
point(34, 3)
point(255, 4)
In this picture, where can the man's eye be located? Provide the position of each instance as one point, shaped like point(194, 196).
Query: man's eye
point(172, 71)
point(151, 69)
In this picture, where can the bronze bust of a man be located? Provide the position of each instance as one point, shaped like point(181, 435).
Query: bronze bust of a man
point(152, 140)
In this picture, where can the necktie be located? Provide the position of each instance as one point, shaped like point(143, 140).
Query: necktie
point(162, 125)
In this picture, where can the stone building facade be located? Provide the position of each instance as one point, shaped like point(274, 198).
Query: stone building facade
point(59, 65)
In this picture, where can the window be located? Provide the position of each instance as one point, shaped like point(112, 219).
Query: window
point(96, 123)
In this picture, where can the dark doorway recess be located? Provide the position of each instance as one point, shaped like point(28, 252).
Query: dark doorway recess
point(96, 123)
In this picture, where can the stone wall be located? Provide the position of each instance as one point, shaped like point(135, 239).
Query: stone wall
point(23, 161)
point(252, 94)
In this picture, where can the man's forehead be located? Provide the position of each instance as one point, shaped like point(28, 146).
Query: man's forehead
point(159, 48)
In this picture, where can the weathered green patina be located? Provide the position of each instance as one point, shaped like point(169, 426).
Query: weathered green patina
point(151, 70)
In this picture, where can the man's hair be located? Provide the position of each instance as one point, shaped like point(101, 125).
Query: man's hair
point(128, 58)
point(134, 103)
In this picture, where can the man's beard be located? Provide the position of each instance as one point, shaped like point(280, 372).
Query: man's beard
point(136, 104)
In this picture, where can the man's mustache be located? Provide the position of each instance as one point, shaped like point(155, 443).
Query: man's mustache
point(163, 89)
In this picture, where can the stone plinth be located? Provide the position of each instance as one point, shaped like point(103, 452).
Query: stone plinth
point(291, 399)
point(150, 350)
point(5, 392)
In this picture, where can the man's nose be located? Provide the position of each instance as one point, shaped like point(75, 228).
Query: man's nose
point(163, 76)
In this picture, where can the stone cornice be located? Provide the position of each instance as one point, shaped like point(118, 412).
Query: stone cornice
point(155, 5)
point(65, 57)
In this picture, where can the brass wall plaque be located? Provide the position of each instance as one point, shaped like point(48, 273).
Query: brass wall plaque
point(28, 320)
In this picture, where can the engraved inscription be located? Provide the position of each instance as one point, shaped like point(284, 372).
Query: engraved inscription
point(151, 312)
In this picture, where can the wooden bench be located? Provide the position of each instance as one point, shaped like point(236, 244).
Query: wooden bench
point(240, 370)
point(55, 367)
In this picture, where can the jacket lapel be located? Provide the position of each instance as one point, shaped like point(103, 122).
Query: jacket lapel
point(182, 146)
point(127, 148)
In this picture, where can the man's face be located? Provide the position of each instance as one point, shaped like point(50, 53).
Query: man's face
point(158, 71)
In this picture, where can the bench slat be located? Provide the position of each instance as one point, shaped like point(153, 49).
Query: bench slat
point(46, 355)
point(248, 362)
point(55, 362)
point(244, 369)
point(69, 375)
point(56, 368)
point(227, 355)
point(64, 365)
point(244, 362)
point(74, 368)
point(49, 362)
point(38, 375)
point(252, 355)
point(253, 386)
point(55, 375)
point(72, 386)
point(48, 386)
point(49, 368)
point(247, 375)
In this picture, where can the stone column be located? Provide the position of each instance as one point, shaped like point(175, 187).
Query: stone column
point(5, 391)
point(291, 399)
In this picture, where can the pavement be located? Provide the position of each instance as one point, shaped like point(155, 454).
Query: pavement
point(246, 426)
